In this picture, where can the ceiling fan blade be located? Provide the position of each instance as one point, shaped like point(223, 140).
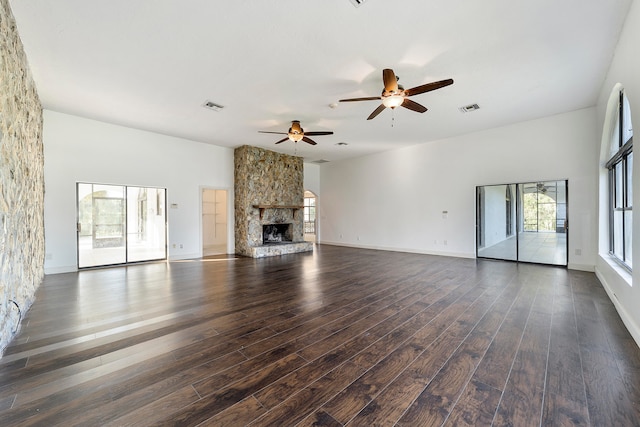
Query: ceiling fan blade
point(278, 133)
point(376, 111)
point(309, 140)
point(411, 105)
point(427, 87)
point(319, 133)
point(390, 80)
point(369, 98)
point(282, 140)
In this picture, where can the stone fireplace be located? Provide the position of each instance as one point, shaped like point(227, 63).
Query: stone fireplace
point(269, 197)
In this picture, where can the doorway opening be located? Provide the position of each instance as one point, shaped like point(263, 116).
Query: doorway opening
point(533, 229)
point(310, 220)
point(118, 224)
point(214, 222)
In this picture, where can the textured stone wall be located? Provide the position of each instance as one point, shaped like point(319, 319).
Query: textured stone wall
point(21, 181)
point(264, 177)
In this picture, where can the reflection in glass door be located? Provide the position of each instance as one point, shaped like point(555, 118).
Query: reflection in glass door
point(523, 222)
point(120, 224)
point(496, 212)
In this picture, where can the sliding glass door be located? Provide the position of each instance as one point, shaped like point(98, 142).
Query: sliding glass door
point(523, 222)
point(120, 224)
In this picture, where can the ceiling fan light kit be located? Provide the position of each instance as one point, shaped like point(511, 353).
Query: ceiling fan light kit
point(296, 133)
point(393, 95)
point(393, 101)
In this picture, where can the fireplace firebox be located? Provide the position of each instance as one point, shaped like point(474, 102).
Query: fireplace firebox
point(276, 233)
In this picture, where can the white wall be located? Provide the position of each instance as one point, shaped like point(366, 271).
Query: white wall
point(394, 200)
point(312, 178)
point(78, 149)
point(623, 289)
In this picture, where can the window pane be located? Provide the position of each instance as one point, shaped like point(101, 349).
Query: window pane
point(627, 127)
point(629, 193)
point(618, 184)
point(615, 135)
point(618, 238)
point(628, 228)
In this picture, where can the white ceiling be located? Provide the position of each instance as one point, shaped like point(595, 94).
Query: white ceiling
point(151, 64)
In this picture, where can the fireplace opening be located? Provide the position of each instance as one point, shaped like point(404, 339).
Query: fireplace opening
point(276, 233)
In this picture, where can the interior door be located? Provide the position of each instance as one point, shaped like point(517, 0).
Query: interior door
point(214, 222)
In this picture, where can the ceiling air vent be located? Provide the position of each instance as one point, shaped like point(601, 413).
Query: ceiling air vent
point(318, 162)
point(469, 108)
point(212, 106)
point(357, 3)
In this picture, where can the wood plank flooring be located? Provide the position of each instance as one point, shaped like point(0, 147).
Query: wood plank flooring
point(336, 337)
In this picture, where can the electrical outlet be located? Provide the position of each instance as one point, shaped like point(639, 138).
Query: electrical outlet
point(173, 246)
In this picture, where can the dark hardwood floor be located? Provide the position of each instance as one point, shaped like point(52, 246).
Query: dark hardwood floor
point(336, 337)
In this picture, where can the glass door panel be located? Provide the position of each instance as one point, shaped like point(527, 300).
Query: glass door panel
point(146, 236)
point(119, 224)
point(101, 225)
point(544, 237)
point(523, 222)
point(496, 222)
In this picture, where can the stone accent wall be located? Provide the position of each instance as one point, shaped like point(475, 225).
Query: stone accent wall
point(264, 177)
point(21, 181)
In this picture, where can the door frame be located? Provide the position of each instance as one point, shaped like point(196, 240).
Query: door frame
point(519, 217)
point(125, 187)
point(230, 218)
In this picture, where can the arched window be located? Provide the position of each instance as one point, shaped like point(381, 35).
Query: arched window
point(620, 170)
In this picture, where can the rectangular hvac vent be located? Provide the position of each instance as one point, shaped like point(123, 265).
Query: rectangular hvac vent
point(357, 3)
point(318, 162)
point(469, 108)
point(212, 106)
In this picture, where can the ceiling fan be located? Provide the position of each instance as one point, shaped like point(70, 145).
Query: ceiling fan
point(394, 95)
point(296, 133)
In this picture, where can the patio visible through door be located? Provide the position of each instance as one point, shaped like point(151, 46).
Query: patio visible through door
point(523, 222)
point(119, 224)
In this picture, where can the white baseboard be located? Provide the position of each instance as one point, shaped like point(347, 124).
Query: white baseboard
point(60, 270)
point(582, 267)
point(632, 326)
point(407, 250)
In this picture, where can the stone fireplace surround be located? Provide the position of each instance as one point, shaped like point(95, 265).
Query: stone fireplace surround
point(269, 189)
